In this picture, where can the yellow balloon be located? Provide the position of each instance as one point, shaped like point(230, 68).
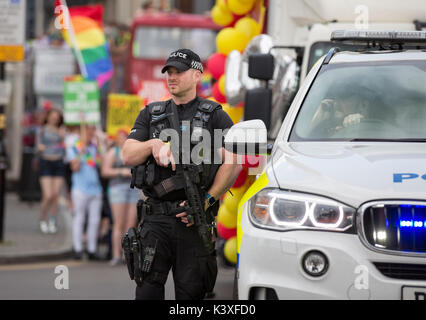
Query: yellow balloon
point(240, 7)
point(231, 203)
point(230, 250)
point(229, 39)
point(235, 113)
point(222, 84)
point(248, 26)
point(226, 217)
point(222, 4)
point(212, 99)
point(221, 16)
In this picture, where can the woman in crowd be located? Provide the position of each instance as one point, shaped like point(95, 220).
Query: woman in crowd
point(86, 191)
point(121, 197)
point(51, 151)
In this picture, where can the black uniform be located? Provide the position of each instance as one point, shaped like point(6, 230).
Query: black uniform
point(176, 246)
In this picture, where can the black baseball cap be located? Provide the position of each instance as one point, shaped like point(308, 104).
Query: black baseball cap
point(183, 59)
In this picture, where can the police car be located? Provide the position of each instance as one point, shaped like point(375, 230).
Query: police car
point(340, 209)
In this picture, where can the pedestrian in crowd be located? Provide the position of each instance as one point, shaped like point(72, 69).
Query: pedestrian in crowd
point(121, 197)
point(72, 135)
point(86, 191)
point(51, 151)
point(105, 229)
point(168, 237)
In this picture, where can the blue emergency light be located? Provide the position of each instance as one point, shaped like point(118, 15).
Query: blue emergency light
point(412, 224)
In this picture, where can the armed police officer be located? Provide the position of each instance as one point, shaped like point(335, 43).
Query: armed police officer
point(176, 220)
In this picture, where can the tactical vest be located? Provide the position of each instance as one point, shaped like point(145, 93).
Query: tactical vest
point(159, 182)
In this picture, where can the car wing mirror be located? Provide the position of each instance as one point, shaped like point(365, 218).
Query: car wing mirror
point(247, 138)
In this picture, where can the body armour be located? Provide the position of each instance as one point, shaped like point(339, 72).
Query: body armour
point(162, 183)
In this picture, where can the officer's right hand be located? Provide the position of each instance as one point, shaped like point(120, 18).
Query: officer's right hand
point(162, 153)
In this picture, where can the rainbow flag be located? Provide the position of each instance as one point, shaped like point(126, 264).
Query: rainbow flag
point(85, 35)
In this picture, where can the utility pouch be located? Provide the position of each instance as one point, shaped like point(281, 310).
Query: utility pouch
point(150, 174)
point(149, 255)
point(143, 209)
point(138, 176)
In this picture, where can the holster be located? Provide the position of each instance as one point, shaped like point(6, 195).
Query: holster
point(139, 256)
point(142, 209)
point(132, 252)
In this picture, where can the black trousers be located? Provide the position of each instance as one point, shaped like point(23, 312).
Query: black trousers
point(179, 248)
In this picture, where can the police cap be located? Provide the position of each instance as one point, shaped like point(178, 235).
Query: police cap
point(183, 59)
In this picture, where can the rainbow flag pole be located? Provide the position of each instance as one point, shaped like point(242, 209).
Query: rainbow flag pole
point(73, 39)
point(85, 35)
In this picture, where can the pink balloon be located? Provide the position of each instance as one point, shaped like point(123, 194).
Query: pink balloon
point(219, 97)
point(251, 161)
point(241, 179)
point(216, 65)
point(226, 233)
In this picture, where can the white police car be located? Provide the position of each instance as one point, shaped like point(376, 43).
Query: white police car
point(340, 210)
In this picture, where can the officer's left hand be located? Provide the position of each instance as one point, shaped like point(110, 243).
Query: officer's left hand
point(183, 216)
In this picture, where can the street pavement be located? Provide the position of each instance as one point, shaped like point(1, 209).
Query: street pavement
point(86, 281)
point(22, 238)
point(29, 259)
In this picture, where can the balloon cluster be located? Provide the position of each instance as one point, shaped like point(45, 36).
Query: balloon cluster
point(239, 29)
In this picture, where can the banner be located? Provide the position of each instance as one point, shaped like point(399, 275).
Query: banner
point(81, 102)
point(123, 110)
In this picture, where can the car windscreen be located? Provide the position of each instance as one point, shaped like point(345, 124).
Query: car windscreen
point(318, 49)
point(159, 42)
point(365, 101)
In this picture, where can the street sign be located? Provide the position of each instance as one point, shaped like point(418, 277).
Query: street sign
point(5, 92)
point(81, 102)
point(123, 110)
point(51, 66)
point(12, 30)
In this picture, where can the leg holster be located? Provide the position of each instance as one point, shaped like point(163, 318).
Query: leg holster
point(139, 256)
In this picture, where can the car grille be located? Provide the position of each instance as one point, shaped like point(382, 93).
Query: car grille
point(395, 227)
point(402, 271)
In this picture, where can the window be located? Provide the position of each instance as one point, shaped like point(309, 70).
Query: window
point(159, 42)
point(380, 100)
point(318, 49)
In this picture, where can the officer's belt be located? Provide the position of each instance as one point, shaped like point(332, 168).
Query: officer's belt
point(167, 208)
point(168, 185)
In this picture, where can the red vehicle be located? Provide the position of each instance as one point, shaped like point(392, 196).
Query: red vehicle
point(153, 38)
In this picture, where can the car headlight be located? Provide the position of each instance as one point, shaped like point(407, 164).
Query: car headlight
point(282, 210)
